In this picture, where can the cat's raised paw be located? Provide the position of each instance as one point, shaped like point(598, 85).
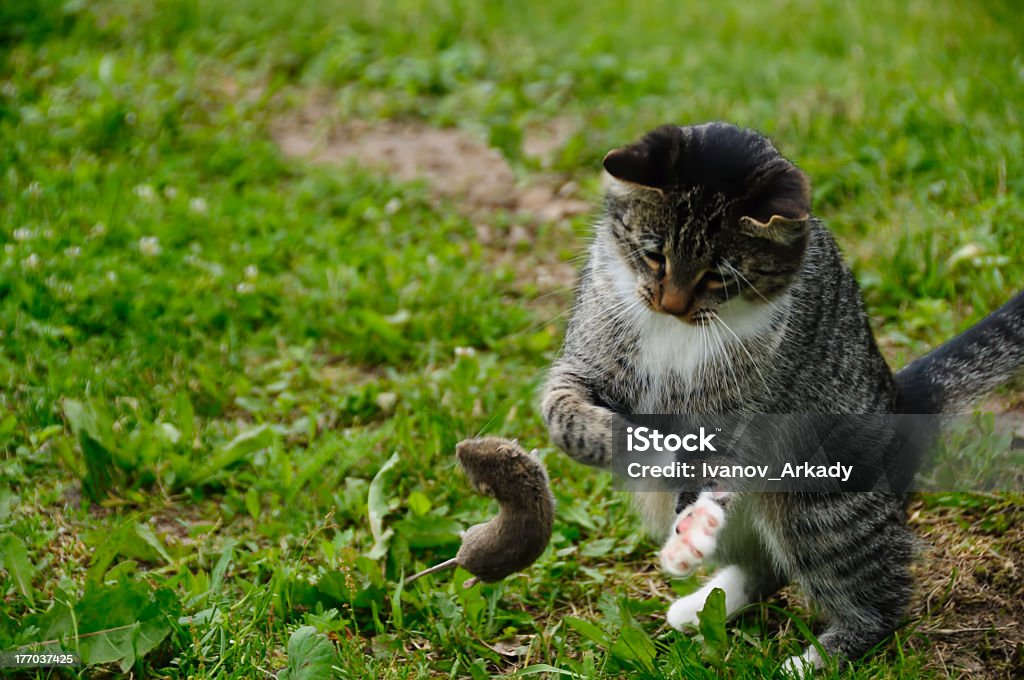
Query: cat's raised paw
point(693, 538)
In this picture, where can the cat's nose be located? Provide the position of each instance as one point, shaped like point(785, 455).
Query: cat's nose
point(676, 300)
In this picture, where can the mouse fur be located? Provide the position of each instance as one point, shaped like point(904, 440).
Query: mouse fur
point(516, 537)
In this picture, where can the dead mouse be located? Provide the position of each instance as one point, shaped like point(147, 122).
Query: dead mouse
point(513, 540)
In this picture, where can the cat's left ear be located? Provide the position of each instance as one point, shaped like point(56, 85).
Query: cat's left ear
point(650, 163)
point(780, 206)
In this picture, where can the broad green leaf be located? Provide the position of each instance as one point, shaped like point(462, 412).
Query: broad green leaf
point(227, 555)
point(478, 670)
point(252, 503)
point(57, 622)
point(116, 623)
point(99, 469)
point(419, 503)
point(133, 540)
point(598, 547)
point(334, 585)
point(260, 437)
point(85, 418)
point(129, 634)
point(14, 559)
point(711, 622)
point(7, 425)
point(377, 508)
point(369, 568)
point(7, 501)
point(588, 630)
point(428, 531)
point(145, 532)
point(103, 556)
point(577, 513)
point(310, 656)
point(471, 600)
point(122, 571)
point(97, 448)
point(634, 645)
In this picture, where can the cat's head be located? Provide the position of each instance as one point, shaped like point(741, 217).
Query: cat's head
point(706, 214)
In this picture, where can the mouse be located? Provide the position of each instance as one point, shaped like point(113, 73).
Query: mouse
point(516, 537)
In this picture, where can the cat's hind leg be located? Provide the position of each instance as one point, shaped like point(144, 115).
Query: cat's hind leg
point(851, 554)
point(851, 633)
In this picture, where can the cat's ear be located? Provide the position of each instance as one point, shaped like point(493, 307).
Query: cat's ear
point(650, 162)
point(780, 206)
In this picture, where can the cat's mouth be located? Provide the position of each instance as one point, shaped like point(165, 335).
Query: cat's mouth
point(701, 318)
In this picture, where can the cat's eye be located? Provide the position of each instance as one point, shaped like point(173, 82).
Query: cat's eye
point(715, 280)
point(654, 259)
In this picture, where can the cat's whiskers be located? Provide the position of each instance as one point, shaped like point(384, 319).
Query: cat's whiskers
point(776, 305)
point(713, 315)
point(753, 362)
point(740, 274)
point(710, 315)
point(639, 250)
point(725, 359)
point(483, 428)
point(552, 293)
point(702, 366)
point(537, 327)
point(623, 311)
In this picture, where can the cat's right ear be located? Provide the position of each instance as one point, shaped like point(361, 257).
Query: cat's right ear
point(780, 207)
point(649, 163)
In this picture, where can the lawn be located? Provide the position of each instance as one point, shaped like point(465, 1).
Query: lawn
point(264, 264)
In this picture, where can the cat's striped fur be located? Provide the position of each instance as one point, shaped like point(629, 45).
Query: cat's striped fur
point(709, 288)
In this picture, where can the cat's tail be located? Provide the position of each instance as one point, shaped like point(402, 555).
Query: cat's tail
point(953, 376)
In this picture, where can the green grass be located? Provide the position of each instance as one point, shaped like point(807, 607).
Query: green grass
point(209, 350)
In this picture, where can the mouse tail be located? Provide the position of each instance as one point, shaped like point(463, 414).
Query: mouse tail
point(449, 564)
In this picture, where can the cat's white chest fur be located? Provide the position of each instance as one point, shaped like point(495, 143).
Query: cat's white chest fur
point(669, 346)
point(671, 352)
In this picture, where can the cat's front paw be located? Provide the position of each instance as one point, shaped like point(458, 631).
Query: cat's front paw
point(685, 611)
point(694, 536)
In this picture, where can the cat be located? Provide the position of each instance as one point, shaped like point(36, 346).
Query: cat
point(710, 288)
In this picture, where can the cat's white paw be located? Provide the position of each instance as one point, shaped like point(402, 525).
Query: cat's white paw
point(683, 611)
point(693, 537)
point(733, 582)
point(802, 665)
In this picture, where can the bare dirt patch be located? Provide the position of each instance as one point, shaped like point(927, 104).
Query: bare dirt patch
point(457, 166)
point(545, 140)
point(453, 162)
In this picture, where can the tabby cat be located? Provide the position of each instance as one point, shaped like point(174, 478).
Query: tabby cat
point(710, 288)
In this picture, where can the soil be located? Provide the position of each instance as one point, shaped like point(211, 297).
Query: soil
point(511, 215)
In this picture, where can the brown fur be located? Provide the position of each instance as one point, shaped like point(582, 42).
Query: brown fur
point(513, 540)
